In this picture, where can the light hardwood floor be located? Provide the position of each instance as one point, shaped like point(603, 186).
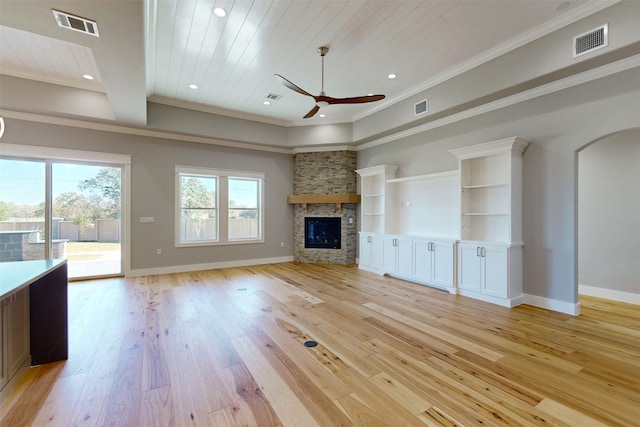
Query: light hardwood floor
point(226, 347)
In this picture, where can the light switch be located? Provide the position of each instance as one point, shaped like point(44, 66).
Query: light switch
point(147, 219)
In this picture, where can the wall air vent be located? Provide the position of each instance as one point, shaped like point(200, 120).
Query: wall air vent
point(420, 107)
point(591, 40)
point(76, 23)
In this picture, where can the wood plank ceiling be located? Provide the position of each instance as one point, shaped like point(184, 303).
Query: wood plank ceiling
point(232, 60)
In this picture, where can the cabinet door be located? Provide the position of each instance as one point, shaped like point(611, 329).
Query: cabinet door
point(389, 254)
point(17, 332)
point(422, 261)
point(442, 261)
point(469, 267)
point(404, 265)
point(495, 271)
point(376, 251)
point(365, 250)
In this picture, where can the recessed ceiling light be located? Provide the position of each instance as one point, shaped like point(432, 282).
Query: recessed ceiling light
point(369, 94)
point(266, 103)
point(87, 76)
point(392, 76)
point(219, 12)
point(192, 86)
point(322, 115)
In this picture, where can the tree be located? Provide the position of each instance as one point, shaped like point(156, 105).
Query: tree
point(4, 211)
point(197, 203)
point(108, 183)
point(195, 196)
point(249, 214)
point(76, 208)
point(39, 212)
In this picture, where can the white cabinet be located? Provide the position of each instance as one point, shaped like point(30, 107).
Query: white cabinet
point(490, 272)
point(14, 329)
point(396, 255)
point(483, 268)
point(490, 252)
point(370, 245)
point(433, 262)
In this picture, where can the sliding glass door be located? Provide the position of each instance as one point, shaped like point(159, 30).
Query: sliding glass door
point(67, 207)
point(22, 210)
point(86, 216)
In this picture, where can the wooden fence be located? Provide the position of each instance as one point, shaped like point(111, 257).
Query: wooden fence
point(102, 230)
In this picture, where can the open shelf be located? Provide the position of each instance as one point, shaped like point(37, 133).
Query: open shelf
point(472, 187)
point(491, 182)
point(376, 202)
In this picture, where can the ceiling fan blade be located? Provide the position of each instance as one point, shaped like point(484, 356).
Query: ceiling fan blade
point(355, 99)
point(311, 113)
point(291, 86)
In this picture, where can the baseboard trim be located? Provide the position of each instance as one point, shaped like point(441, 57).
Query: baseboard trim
point(611, 294)
point(552, 304)
point(206, 266)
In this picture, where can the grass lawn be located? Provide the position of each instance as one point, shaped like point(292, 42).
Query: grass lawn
point(90, 251)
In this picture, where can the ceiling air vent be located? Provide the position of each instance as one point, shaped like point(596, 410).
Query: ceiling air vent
point(274, 96)
point(76, 23)
point(420, 107)
point(591, 40)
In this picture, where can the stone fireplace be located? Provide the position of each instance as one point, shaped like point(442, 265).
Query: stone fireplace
point(326, 175)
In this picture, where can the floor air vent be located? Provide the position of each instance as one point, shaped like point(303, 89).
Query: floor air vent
point(420, 107)
point(591, 40)
point(76, 23)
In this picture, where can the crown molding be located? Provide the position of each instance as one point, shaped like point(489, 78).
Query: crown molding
point(130, 130)
point(565, 83)
point(527, 37)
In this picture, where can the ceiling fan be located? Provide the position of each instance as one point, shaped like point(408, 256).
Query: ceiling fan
point(323, 100)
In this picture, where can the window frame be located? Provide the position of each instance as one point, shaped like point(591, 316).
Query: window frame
point(222, 205)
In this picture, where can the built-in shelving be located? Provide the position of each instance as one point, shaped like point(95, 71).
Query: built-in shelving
point(491, 181)
point(376, 201)
point(489, 255)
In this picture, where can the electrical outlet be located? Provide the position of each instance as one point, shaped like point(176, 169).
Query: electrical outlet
point(158, 251)
point(282, 244)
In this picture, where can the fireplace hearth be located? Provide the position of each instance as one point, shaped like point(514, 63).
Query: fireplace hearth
point(322, 233)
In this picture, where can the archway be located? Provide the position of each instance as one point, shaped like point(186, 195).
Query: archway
point(608, 217)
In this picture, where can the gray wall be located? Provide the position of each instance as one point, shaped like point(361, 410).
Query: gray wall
point(609, 213)
point(557, 125)
point(152, 189)
point(541, 61)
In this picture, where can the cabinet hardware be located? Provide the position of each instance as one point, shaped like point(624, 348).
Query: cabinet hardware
point(477, 251)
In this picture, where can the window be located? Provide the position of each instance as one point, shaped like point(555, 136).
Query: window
point(198, 208)
point(244, 208)
point(218, 207)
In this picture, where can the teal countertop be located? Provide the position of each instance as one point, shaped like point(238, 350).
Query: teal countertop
point(16, 275)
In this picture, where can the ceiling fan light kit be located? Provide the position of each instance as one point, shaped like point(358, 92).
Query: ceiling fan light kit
point(322, 100)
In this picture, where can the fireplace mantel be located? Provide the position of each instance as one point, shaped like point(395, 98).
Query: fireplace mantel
point(338, 199)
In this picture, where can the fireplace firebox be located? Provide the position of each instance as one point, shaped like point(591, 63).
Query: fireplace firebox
point(322, 233)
